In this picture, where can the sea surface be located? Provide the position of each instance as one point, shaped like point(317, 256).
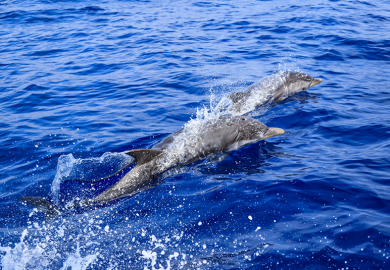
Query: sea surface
point(83, 81)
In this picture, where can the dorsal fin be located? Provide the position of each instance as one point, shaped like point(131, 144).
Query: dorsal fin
point(236, 97)
point(143, 156)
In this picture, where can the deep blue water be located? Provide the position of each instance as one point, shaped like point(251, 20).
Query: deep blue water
point(86, 78)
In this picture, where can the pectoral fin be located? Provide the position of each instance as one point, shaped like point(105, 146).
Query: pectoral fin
point(217, 158)
point(143, 156)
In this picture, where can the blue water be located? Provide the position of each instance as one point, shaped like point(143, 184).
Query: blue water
point(87, 78)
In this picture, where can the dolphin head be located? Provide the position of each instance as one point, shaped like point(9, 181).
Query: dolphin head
point(294, 82)
point(240, 131)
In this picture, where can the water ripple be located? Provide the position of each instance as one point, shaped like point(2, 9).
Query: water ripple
point(86, 78)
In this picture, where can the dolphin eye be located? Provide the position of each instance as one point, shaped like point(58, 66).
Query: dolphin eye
point(242, 118)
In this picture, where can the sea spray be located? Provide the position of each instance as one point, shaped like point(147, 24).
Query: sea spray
point(89, 169)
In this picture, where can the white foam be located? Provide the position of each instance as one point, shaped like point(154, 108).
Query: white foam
point(75, 261)
point(151, 260)
point(260, 93)
point(38, 253)
point(186, 141)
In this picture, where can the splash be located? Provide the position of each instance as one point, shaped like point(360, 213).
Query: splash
point(40, 256)
point(90, 169)
point(258, 93)
point(288, 63)
point(186, 141)
point(151, 255)
point(75, 261)
point(23, 257)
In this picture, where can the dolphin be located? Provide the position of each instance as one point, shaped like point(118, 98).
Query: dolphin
point(274, 88)
point(196, 141)
point(225, 134)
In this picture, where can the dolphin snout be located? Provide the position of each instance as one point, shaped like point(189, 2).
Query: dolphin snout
point(271, 132)
point(315, 81)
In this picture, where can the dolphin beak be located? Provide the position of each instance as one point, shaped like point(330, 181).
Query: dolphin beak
point(271, 132)
point(315, 81)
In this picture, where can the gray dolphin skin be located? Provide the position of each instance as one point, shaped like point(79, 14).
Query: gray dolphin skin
point(274, 88)
point(222, 135)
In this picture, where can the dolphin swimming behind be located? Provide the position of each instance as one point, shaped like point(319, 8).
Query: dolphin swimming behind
point(273, 88)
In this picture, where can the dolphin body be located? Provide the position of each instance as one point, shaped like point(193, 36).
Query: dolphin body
point(274, 88)
point(218, 136)
point(213, 137)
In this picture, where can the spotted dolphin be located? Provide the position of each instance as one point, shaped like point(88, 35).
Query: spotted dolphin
point(222, 135)
point(274, 88)
point(190, 144)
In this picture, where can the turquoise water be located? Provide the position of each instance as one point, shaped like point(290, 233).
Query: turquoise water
point(83, 79)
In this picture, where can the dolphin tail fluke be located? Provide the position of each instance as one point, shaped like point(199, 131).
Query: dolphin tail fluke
point(47, 208)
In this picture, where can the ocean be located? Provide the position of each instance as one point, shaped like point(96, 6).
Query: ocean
point(81, 82)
